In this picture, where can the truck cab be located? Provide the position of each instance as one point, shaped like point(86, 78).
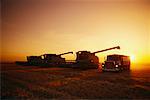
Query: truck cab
point(116, 62)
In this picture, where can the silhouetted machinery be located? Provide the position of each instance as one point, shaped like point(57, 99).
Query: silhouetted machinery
point(116, 62)
point(34, 60)
point(86, 59)
point(47, 59)
point(54, 59)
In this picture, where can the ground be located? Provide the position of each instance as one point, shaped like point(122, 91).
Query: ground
point(31, 82)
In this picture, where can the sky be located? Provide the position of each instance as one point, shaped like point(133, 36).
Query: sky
point(35, 27)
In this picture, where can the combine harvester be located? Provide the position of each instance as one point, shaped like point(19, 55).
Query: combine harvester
point(88, 60)
point(47, 60)
point(54, 60)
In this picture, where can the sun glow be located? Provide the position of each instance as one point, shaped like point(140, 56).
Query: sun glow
point(75, 25)
point(132, 58)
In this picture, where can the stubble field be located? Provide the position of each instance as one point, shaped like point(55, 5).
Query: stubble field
point(31, 82)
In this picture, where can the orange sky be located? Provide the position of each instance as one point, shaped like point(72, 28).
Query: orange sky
point(34, 27)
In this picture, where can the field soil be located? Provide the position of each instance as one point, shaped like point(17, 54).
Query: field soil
point(31, 82)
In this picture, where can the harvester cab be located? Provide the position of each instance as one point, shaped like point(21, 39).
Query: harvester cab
point(86, 59)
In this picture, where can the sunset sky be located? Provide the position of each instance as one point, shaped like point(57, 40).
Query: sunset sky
point(35, 27)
